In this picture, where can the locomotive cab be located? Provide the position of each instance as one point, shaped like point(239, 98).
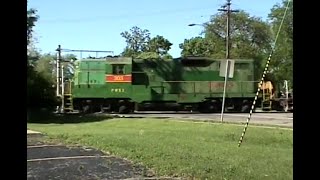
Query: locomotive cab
point(118, 72)
point(118, 83)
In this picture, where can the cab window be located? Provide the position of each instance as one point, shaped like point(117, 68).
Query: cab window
point(118, 69)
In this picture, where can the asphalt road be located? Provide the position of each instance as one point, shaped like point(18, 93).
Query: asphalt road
point(54, 161)
point(277, 119)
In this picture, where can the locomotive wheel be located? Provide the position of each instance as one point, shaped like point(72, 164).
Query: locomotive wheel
point(86, 109)
point(123, 109)
point(245, 108)
point(283, 106)
point(208, 107)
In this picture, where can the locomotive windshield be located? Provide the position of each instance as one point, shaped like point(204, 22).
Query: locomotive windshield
point(118, 69)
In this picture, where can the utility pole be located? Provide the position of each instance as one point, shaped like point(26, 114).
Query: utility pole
point(227, 9)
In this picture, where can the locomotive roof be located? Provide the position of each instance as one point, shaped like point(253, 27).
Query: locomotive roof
point(112, 60)
point(128, 60)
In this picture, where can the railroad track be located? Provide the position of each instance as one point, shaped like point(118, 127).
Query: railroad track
point(262, 118)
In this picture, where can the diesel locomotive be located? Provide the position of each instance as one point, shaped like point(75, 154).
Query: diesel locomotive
point(125, 85)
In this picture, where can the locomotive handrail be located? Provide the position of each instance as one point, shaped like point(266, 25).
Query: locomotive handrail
point(212, 89)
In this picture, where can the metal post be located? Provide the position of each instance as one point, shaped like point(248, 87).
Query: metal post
point(263, 87)
point(228, 11)
point(224, 89)
point(228, 31)
point(62, 88)
point(60, 73)
point(227, 59)
point(287, 95)
point(58, 70)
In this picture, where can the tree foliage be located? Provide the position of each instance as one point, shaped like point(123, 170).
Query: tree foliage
point(40, 84)
point(31, 20)
point(44, 66)
point(196, 46)
point(137, 41)
point(148, 55)
point(32, 53)
point(250, 38)
point(281, 64)
point(140, 44)
point(40, 90)
point(159, 45)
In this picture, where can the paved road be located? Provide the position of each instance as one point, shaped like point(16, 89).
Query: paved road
point(279, 119)
point(54, 161)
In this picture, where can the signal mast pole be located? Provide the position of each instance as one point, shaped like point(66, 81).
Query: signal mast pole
point(58, 76)
point(227, 9)
point(58, 70)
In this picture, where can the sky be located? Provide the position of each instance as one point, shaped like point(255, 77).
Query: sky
point(97, 24)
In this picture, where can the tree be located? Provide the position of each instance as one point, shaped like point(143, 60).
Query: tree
point(140, 44)
point(196, 46)
point(159, 45)
point(136, 40)
point(40, 92)
point(250, 38)
point(69, 57)
point(32, 53)
point(167, 57)
point(281, 63)
point(40, 81)
point(148, 55)
point(44, 66)
point(31, 20)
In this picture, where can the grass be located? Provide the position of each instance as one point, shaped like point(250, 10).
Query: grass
point(197, 150)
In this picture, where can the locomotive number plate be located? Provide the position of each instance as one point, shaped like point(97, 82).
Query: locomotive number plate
point(119, 90)
point(118, 78)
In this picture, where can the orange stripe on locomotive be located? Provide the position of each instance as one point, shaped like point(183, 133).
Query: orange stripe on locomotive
point(118, 78)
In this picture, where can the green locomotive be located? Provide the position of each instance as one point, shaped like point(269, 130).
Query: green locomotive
point(124, 85)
